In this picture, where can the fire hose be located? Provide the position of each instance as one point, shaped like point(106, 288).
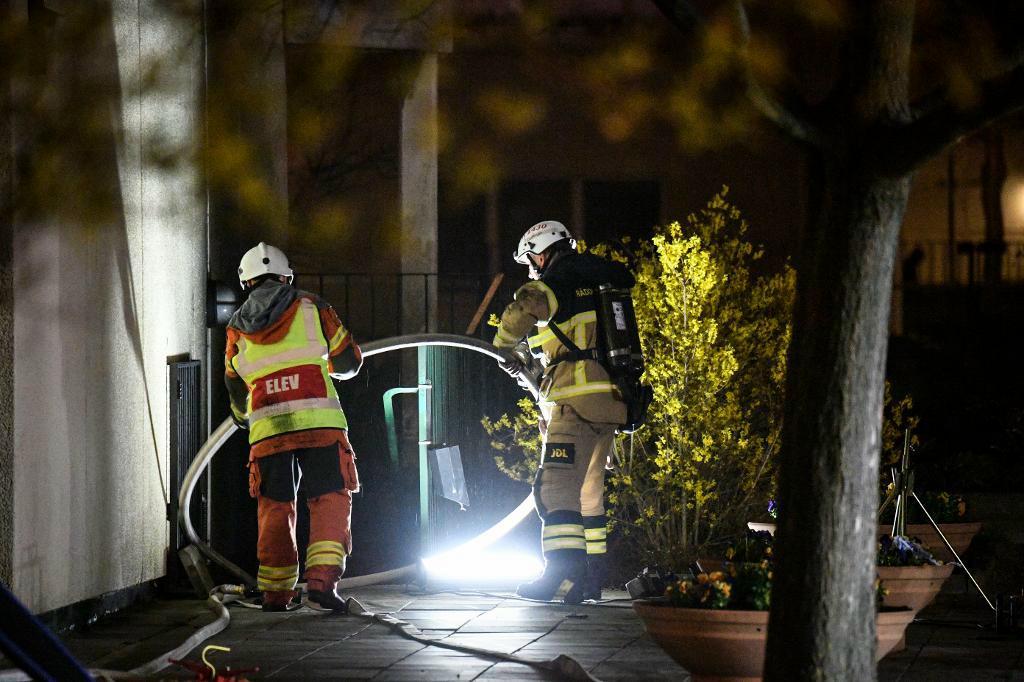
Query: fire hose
point(227, 428)
point(220, 596)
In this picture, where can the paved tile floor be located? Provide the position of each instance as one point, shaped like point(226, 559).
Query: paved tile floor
point(954, 640)
point(608, 641)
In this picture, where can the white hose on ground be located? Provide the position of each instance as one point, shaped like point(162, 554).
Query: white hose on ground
point(217, 439)
point(219, 596)
point(565, 667)
point(227, 428)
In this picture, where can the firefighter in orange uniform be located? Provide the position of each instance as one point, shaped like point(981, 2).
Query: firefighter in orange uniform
point(283, 346)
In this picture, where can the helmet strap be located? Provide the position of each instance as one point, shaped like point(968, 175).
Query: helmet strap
point(536, 271)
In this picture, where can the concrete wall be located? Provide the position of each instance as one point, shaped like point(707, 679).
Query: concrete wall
point(6, 324)
point(104, 295)
point(419, 195)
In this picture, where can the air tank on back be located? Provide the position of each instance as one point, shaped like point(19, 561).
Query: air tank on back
point(618, 322)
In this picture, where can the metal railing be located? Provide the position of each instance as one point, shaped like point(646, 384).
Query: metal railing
point(968, 263)
point(377, 305)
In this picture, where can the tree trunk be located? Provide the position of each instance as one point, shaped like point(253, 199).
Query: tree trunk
point(823, 602)
point(822, 625)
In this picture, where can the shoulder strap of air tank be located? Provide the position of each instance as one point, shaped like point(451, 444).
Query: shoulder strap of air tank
point(574, 354)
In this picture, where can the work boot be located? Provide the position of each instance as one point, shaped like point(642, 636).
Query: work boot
point(329, 600)
point(275, 601)
point(596, 574)
point(562, 580)
point(322, 587)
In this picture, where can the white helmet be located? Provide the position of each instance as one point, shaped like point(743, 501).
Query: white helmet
point(263, 259)
point(539, 237)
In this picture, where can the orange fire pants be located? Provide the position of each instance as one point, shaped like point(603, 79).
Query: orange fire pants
point(330, 478)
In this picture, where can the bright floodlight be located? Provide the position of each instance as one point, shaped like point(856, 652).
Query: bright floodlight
point(482, 567)
point(475, 563)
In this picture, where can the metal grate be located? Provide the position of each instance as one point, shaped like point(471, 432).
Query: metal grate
point(465, 387)
point(966, 263)
point(184, 382)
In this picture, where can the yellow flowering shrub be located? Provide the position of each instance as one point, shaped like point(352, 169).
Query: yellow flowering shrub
point(516, 440)
point(897, 417)
point(715, 337)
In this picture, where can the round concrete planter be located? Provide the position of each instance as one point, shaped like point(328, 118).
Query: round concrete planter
point(959, 535)
point(890, 628)
point(913, 586)
point(710, 644)
point(720, 645)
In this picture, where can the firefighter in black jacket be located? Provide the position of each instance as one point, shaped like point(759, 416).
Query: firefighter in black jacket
point(581, 407)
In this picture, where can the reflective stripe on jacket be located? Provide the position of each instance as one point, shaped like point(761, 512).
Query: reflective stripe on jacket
point(289, 386)
point(571, 379)
point(564, 297)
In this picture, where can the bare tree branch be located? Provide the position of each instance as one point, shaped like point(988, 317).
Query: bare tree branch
point(799, 128)
point(685, 17)
point(902, 148)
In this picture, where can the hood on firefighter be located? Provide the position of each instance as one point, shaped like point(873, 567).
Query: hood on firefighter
point(265, 304)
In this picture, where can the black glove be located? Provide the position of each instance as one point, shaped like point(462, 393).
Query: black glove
point(240, 423)
point(512, 365)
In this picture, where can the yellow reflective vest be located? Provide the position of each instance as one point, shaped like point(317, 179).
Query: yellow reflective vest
point(289, 386)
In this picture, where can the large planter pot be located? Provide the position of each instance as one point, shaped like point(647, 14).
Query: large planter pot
point(710, 644)
point(890, 629)
point(959, 535)
point(913, 586)
point(715, 646)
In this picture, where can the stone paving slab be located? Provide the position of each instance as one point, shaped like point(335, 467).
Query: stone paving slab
point(504, 642)
point(953, 642)
point(515, 671)
point(439, 620)
point(949, 643)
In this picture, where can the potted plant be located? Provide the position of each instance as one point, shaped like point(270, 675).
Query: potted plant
point(755, 548)
point(716, 624)
point(911, 575)
point(948, 511)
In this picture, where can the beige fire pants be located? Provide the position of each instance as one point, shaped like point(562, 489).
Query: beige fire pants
point(571, 477)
